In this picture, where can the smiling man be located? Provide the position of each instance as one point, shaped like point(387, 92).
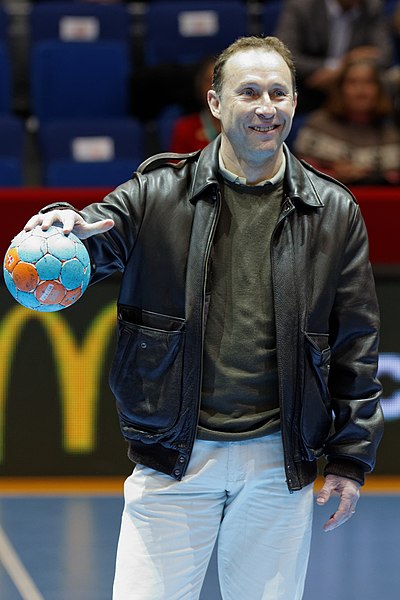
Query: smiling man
point(248, 339)
point(255, 100)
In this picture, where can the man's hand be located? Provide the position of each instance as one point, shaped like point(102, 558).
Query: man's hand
point(70, 221)
point(349, 492)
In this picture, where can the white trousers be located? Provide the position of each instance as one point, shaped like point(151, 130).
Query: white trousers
point(234, 492)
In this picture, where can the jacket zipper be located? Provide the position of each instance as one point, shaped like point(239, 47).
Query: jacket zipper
point(287, 208)
point(216, 197)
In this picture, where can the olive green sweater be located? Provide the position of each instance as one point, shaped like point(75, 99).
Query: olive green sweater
point(240, 389)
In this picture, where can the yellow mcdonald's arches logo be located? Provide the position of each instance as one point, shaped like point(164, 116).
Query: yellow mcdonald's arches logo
point(78, 369)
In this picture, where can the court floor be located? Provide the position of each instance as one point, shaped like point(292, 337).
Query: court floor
point(58, 541)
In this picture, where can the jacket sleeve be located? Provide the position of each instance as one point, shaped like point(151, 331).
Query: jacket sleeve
point(125, 205)
point(109, 251)
point(354, 388)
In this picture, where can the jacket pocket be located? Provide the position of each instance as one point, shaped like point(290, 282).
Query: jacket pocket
point(316, 415)
point(146, 373)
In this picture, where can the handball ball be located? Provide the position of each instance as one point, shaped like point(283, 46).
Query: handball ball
point(46, 270)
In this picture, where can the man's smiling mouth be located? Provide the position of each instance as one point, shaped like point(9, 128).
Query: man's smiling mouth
point(263, 128)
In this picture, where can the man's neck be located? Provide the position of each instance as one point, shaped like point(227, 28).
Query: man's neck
point(233, 176)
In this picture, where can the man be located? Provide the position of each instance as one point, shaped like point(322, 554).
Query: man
point(324, 34)
point(247, 317)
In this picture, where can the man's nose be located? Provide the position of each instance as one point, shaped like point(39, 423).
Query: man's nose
point(265, 107)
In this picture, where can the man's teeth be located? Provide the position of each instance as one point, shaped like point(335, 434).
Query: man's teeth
point(263, 129)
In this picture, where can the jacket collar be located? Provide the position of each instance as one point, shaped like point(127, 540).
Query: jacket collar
point(297, 183)
point(206, 173)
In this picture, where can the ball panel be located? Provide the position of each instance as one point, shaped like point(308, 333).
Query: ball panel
point(61, 247)
point(82, 254)
point(71, 297)
point(11, 259)
point(25, 276)
point(46, 270)
point(31, 249)
point(47, 233)
point(27, 299)
point(9, 281)
point(71, 274)
point(20, 237)
point(50, 292)
point(48, 267)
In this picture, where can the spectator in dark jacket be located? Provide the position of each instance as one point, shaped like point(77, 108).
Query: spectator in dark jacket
point(322, 34)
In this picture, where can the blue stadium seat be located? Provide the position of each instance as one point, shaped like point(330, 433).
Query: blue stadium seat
point(389, 7)
point(79, 21)
point(270, 13)
point(5, 63)
point(79, 80)
point(164, 125)
point(12, 137)
point(184, 32)
point(99, 152)
point(4, 23)
point(5, 79)
point(67, 173)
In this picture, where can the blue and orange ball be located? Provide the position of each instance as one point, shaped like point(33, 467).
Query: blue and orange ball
point(46, 270)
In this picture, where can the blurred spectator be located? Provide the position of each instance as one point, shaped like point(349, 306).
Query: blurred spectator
point(353, 137)
point(322, 34)
point(196, 130)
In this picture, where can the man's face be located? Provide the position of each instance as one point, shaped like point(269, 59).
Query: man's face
point(256, 104)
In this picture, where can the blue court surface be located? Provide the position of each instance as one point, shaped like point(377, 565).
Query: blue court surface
point(61, 546)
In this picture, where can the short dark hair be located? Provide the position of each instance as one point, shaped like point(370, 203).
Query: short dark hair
point(252, 42)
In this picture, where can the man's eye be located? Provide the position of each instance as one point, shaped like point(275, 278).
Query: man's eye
point(248, 92)
point(279, 94)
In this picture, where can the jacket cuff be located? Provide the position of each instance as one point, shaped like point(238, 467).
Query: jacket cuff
point(56, 206)
point(346, 468)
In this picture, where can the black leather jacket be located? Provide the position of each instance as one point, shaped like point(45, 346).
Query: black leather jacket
point(325, 310)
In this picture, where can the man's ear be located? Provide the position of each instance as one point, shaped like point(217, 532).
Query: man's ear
point(213, 103)
point(295, 101)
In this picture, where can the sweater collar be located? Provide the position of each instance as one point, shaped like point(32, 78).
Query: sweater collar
point(297, 182)
point(226, 174)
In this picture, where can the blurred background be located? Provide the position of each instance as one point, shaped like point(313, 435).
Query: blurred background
point(88, 90)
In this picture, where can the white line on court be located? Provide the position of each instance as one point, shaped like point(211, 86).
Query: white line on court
point(16, 570)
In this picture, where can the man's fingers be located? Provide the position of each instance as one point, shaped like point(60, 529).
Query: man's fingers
point(65, 218)
point(69, 220)
point(349, 493)
point(89, 229)
point(66, 221)
point(343, 514)
point(323, 496)
point(33, 222)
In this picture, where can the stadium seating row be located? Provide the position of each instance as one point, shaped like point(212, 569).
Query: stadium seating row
point(80, 65)
point(81, 62)
point(68, 41)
